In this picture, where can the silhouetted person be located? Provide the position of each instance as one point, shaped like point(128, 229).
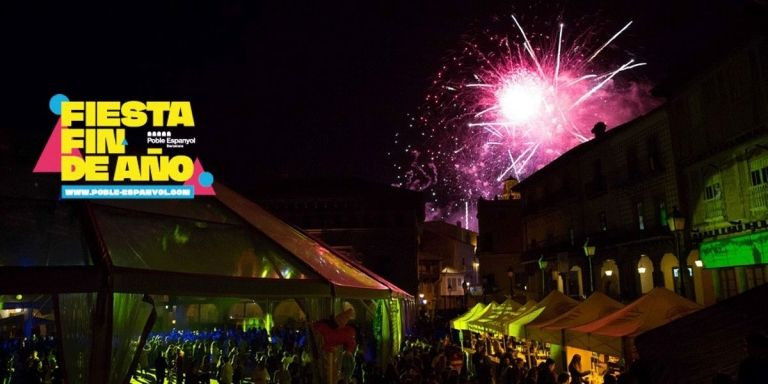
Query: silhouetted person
point(547, 372)
point(482, 365)
point(574, 369)
point(180, 367)
point(237, 371)
point(509, 373)
point(532, 377)
point(160, 366)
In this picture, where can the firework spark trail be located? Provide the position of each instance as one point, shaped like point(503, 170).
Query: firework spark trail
point(507, 107)
point(600, 84)
point(608, 42)
point(527, 46)
point(559, 46)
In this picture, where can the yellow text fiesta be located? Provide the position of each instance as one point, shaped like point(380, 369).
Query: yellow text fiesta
point(97, 129)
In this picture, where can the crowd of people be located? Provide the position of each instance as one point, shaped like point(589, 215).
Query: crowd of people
point(226, 356)
point(29, 361)
point(445, 362)
point(283, 356)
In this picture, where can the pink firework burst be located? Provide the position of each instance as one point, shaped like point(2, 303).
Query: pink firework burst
point(508, 106)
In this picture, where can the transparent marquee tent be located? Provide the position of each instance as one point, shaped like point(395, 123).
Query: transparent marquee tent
point(104, 264)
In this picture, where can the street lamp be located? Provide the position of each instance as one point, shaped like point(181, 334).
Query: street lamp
point(676, 223)
point(641, 270)
point(543, 266)
point(589, 251)
point(609, 272)
point(465, 285)
point(511, 275)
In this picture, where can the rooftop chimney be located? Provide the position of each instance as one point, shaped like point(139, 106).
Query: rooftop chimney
point(599, 129)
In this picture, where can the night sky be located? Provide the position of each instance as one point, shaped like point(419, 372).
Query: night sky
point(286, 89)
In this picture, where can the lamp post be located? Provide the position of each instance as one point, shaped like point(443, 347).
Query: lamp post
point(676, 223)
point(543, 266)
point(589, 251)
point(465, 285)
point(511, 275)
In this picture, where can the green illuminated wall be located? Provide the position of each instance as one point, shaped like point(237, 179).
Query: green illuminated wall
point(749, 249)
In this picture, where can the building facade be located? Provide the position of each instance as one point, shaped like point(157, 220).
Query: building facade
point(614, 193)
point(446, 254)
point(501, 244)
point(720, 121)
point(702, 155)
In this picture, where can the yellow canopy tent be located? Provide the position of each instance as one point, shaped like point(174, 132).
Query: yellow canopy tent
point(550, 307)
point(552, 331)
point(462, 324)
point(508, 309)
point(594, 307)
point(461, 320)
point(614, 334)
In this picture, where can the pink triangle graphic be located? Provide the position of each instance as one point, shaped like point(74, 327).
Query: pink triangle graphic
point(199, 189)
point(50, 159)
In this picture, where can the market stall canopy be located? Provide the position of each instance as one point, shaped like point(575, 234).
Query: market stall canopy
point(462, 324)
point(551, 306)
point(491, 322)
point(596, 306)
point(461, 320)
point(709, 341)
point(609, 334)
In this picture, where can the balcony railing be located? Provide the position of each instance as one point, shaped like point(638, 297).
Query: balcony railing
point(758, 197)
point(714, 209)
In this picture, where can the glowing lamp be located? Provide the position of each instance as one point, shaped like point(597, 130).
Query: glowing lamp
point(609, 273)
point(424, 301)
point(589, 250)
point(676, 221)
point(19, 297)
point(421, 295)
point(476, 264)
point(640, 270)
point(699, 263)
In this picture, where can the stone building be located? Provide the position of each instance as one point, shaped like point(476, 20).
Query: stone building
point(500, 243)
point(615, 193)
point(446, 254)
point(720, 125)
point(703, 155)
